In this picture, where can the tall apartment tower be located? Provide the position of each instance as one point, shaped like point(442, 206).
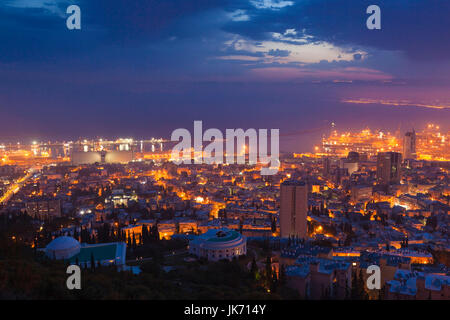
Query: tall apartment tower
point(293, 209)
point(409, 145)
point(326, 167)
point(388, 167)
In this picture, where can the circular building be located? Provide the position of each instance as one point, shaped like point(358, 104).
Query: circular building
point(218, 244)
point(62, 248)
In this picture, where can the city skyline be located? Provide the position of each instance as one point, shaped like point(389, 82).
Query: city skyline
point(315, 137)
point(429, 143)
point(225, 155)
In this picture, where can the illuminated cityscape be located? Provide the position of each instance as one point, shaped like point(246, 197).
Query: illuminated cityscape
point(224, 158)
point(353, 203)
point(432, 144)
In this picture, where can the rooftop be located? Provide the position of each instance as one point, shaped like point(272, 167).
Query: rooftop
point(99, 252)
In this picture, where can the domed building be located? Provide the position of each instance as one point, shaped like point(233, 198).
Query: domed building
point(62, 248)
point(68, 248)
point(218, 244)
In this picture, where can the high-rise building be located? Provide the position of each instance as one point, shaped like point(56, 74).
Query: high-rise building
point(350, 165)
point(293, 209)
point(409, 145)
point(388, 167)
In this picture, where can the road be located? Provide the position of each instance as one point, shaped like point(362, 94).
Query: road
point(16, 186)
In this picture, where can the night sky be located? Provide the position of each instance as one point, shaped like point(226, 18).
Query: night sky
point(143, 68)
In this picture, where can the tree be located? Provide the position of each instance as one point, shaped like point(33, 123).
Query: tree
point(92, 261)
point(347, 292)
point(144, 234)
point(361, 294)
point(282, 277)
point(128, 240)
point(274, 282)
point(253, 269)
point(274, 225)
point(154, 233)
point(268, 273)
point(133, 242)
point(354, 292)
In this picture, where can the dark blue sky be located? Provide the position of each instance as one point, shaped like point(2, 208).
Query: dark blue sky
point(144, 67)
